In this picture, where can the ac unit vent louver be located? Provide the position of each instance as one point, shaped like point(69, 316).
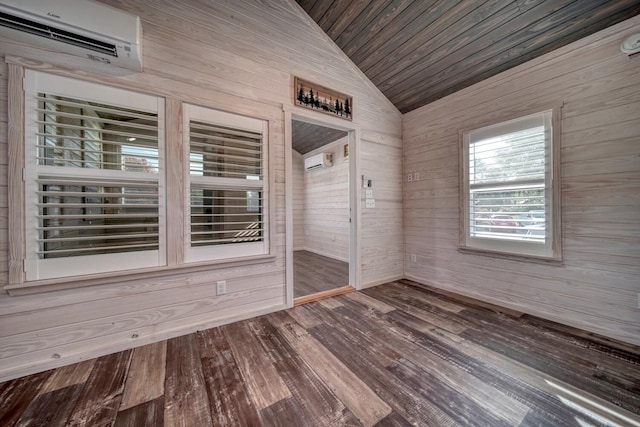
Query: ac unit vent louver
point(63, 36)
point(82, 28)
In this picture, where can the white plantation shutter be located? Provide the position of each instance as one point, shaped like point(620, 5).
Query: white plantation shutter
point(227, 200)
point(508, 186)
point(94, 186)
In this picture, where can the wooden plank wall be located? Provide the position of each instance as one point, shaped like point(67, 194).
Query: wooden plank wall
point(238, 56)
point(326, 205)
point(596, 287)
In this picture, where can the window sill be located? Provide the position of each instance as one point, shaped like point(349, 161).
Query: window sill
point(40, 286)
point(510, 256)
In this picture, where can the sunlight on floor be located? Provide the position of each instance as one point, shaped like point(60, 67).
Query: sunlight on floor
point(587, 406)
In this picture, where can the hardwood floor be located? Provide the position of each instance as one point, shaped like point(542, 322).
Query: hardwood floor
point(395, 355)
point(313, 273)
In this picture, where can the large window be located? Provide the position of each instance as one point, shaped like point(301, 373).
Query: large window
point(226, 203)
point(95, 189)
point(93, 178)
point(510, 187)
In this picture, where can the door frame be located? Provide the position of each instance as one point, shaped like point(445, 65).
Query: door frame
point(354, 132)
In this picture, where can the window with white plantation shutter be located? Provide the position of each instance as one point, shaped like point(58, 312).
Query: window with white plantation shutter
point(227, 198)
point(508, 179)
point(93, 178)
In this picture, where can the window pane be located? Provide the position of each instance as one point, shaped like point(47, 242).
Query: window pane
point(217, 151)
point(82, 134)
point(513, 214)
point(220, 216)
point(510, 157)
point(87, 218)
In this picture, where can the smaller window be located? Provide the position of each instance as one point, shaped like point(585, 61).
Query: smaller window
point(227, 191)
point(510, 187)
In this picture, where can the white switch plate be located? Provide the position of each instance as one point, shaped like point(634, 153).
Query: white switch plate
point(221, 287)
point(368, 194)
point(370, 203)
point(414, 258)
point(416, 176)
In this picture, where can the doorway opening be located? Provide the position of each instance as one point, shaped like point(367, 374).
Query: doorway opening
point(321, 211)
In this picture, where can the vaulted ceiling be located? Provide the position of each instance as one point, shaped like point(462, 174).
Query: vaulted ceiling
point(417, 51)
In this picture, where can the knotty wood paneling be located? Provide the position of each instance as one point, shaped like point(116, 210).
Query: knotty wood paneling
point(596, 287)
point(239, 57)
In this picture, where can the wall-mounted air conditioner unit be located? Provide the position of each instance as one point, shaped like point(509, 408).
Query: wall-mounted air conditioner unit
point(79, 27)
point(318, 161)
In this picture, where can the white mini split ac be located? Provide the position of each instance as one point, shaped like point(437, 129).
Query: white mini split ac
point(79, 27)
point(318, 161)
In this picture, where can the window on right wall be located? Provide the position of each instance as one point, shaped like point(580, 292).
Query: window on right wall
point(510, 192)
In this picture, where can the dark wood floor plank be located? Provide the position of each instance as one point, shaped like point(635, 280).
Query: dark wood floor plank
point(420, 346)
point(423, 310)
point(282, 413)
point(228, 396)
point(16, 395)
point(372, 303)
point(317, 404)
point(303, 317)
point(145, 380)
point(459, 300)
point(313, 273)
point(264, 384)
point(345, 324)
point(566, 366)
point(102, 392)
point(186, 401)
point(398, 395)
point(149, 413)
point(355, 394)
point(52, 408)
point(69, 375)
point(452, 376)
point(393, 420)
point(457, 403)
point(394, 355)
point(526, 384)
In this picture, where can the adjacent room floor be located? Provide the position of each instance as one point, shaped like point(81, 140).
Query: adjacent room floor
point(313, 273)
point(394, 355)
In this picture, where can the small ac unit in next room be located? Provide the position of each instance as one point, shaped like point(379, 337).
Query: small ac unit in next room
point(318, 161)
point(79, 27)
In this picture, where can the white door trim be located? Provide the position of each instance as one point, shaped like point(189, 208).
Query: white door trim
point(355, 268)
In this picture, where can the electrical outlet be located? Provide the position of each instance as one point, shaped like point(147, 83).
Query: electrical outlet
point(221, 287)
point(370, 203)
point(414, 258)
point(410, 177)
point(416, 176)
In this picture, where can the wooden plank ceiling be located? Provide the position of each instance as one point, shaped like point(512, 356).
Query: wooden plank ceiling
point(417, 51)
point(307, 137)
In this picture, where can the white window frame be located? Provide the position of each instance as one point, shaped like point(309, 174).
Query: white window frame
point(551, 248)
point(234, 250)
point(38, 269)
